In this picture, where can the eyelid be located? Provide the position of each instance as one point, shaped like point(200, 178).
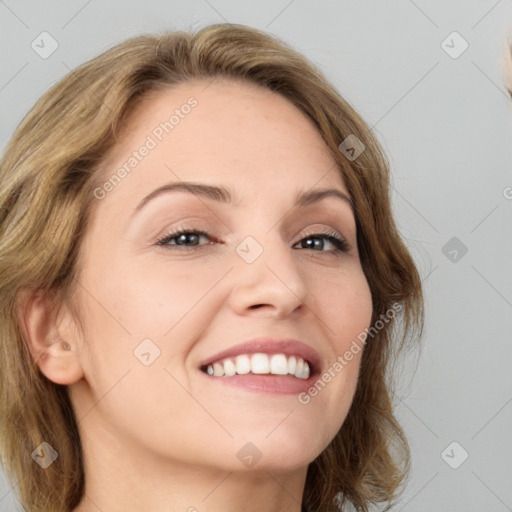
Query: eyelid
point(325, 229)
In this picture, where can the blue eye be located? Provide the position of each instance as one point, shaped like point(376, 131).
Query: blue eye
point(183, 238)
point(317, 241)
point(188, 239)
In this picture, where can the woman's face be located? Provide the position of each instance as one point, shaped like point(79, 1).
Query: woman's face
point(156, 314)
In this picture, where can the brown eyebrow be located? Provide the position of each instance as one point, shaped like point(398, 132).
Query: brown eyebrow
point(222, 194)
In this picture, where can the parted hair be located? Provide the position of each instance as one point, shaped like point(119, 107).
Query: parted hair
point(48, 173)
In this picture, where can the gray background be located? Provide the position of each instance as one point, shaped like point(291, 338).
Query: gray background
point(446, 124)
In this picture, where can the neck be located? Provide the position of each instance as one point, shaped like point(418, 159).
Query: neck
point(121, 477)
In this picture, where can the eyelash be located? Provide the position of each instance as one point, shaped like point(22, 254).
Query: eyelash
point(340, 244)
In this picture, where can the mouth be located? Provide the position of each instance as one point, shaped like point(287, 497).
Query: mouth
point(264, 365)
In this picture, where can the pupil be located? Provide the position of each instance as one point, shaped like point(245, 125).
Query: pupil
point(313, 242)
point(183, 239)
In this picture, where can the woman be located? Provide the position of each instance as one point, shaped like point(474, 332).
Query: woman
point(202, 286)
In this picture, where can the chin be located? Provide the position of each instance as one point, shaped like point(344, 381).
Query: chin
point(288, 449)
point(286, 462)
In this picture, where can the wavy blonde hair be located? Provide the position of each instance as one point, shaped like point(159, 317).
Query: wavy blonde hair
point(48, 174)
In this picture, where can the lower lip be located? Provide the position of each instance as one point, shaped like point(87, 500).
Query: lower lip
point(273, 384)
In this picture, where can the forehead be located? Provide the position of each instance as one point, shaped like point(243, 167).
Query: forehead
point(222, 131)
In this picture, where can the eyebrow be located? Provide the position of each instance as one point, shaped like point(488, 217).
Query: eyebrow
point(222, 194)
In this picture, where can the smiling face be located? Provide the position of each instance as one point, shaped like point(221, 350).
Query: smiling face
point(264, 257)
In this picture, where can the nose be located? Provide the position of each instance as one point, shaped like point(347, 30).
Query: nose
point(272, 285)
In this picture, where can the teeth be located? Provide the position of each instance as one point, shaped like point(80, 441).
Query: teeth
point(229, 368)
point(292, 364)
point(305, 372)
point(261, 364)
point(218, 370)
point(299, 367)
point(243, 365)
point(279, 364)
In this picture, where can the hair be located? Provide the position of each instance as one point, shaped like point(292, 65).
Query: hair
point(507, 67)
point(48, 173)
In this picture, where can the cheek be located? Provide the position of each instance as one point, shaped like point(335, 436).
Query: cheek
point(346, 308)
point(157, 310)
point(150, 300)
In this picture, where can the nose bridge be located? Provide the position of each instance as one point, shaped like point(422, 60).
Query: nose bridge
point(267, 274)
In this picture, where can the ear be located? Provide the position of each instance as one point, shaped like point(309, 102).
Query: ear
point(51, 338)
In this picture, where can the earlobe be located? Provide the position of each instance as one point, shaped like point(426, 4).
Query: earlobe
point(54, 352)
point(59, 363)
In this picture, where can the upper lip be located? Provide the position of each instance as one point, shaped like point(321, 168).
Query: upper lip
point(289, 347)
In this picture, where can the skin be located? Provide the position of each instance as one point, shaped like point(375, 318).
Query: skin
point(165, 437)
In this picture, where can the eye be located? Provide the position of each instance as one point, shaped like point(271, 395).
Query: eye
point(316, 242)
point(186, 238)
